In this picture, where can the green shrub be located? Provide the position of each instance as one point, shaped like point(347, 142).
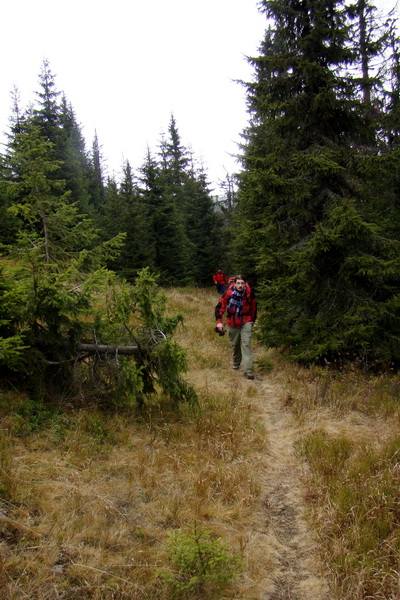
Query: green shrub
point(198, 561)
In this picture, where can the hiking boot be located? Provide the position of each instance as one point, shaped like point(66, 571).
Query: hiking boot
point(236, 367)
point(249, 375)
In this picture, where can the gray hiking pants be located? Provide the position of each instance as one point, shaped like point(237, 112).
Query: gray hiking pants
point(240, 339)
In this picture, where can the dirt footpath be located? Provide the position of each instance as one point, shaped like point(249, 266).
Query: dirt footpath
point(296, 575)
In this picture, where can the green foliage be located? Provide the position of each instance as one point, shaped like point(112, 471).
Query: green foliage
point(11, 351)
point(317, 217)
point(170, 361)
point(11, 340)
point(151, 305)
point(125, 209)
point(52, 295)
point(59, 311)
point(199, 561)
point(161, 196)
point(167, 214)
point(179, 218)
point(74, 163)
point(136, 315)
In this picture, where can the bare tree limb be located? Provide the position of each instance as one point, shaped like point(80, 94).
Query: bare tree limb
point(108, 349)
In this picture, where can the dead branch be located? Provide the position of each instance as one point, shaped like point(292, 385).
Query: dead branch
point(114, 350)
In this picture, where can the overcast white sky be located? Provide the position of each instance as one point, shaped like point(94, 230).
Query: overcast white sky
point(126, 65)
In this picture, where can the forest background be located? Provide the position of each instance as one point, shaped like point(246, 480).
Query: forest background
point(312, 219)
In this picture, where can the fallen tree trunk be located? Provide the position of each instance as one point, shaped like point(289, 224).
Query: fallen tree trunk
point(108, 349)
point(100, 349)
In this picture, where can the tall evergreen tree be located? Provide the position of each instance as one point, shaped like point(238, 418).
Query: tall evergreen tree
point(9, 224)
point(96, 179)
point(172, 257)
point(17, 117)
point(310, 227)
point(204, 227)
point(227, 205)
point(175, 155)
point(139, 250)
point(114, 213)
point(45, 292)
point(174, 161)
point(47, 115)
point(50, 297)
point(186, 187)
point(58, 125)
point(75, 166)
point(40, 200)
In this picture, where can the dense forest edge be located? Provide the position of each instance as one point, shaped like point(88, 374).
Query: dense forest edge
point(311, 218)
point(88, 271)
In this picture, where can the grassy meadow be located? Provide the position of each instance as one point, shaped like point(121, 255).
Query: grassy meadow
point(91, 496)
point(350, 423)
point(161, 503)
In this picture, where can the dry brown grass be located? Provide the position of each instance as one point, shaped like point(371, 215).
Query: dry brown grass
point(350, 435)
point(89, 498)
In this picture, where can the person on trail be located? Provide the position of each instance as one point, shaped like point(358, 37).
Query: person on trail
point(240, 304)
point(220, 281)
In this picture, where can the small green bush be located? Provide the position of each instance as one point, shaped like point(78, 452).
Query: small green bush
point(199, 560)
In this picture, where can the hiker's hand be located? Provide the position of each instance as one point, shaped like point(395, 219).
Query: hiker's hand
point(220, 327)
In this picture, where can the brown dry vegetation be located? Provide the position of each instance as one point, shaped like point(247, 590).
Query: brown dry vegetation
point(89, 497)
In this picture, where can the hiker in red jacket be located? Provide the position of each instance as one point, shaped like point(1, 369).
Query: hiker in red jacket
point(220, 281)
point(240, 304)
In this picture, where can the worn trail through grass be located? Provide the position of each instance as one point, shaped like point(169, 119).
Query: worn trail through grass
point(296, 573)
point(288, 564)
point(90, 496)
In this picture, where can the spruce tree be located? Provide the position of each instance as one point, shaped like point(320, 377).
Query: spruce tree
point(46, 289)
point(204, 227)
point(57, 122)
point(96, 177)
point(50, 310)
point(138, 251)
point(174, 161)
point(75, 166)
point(114, 213)
point(391, 118)
point(226, 206)
point(18, 116)
point(48, 113)
point(123, 212)
point(311, 230)
point(167, 228)
point(187, 188)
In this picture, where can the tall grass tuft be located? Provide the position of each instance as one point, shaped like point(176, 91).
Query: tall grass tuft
point(351, 442)
point(342, 391)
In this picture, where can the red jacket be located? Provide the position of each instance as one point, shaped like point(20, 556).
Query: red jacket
point(219, 278)
point(249, 312)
